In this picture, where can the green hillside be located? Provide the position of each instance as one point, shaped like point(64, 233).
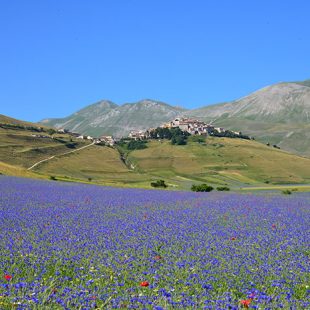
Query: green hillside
point(217, 161)
point(13, 121)
point(23, 148)
point(292, 137)
point(221, 160)
point(96, 164)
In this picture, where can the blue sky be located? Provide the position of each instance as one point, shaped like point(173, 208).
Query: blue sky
point(59, 56)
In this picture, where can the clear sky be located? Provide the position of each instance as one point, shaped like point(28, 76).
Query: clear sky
point(59, 56)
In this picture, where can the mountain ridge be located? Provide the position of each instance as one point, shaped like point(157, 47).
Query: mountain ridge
point(278, 113)
point(118, 120)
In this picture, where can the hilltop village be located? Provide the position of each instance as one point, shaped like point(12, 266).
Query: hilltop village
point(187, 126)
point(191, 127)
point(180, 126)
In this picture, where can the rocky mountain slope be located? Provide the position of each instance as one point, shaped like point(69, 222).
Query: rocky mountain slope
point(278, 114)
point(108, 118)
point(283, 102)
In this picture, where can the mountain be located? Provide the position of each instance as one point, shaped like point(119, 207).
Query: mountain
point(105, 117)
point(279, 103)
point(278, 114)
point(82, 120)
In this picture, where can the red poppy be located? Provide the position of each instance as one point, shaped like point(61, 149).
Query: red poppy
point(7, 277)
point(54, 290)
point(158, 257)
point(144, 283)
point(246, 302)
point(273, 225)
point(233, 238)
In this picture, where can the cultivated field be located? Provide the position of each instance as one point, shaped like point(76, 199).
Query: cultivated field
point(222, 160)
point(75, 246)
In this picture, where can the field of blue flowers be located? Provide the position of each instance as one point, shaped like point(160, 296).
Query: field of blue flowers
point(73, 246)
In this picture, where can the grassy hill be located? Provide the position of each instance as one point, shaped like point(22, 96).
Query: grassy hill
point(98, 164)
point(291, 137)
point(217, 161)
point(221, 160)
point(13, 121)
point(20, 148)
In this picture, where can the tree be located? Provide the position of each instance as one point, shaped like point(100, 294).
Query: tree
point(51, 131)
point(223, 188)
point(159, 183)
point(136, 145)
point(201, 188)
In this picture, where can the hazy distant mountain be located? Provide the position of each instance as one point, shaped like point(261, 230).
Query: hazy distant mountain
point(279, 114)
point(105, 117)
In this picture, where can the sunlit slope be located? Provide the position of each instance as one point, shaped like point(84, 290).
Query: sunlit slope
point(99, 164)
point(279, 114)
point(222, 160)
point(20, 148)
point(10, 120)
point(7, 169)
point(217, 161)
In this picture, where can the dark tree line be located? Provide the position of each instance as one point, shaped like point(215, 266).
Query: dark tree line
point(131, 144)
point(176, 135)
point(22, 127)
point(229, 134)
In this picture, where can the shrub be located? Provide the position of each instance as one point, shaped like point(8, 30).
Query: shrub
point(159, 183)
point(51, 131)
point(178, 140)
point(286, 192)
point(136, 145)
point(89, 179)
point(70, 145)
point(201, 188)
point(53, 178)
point(223, 188)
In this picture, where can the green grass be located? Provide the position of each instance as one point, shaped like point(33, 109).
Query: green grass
point(292, 188)
point(102, 164)
point(10, 120)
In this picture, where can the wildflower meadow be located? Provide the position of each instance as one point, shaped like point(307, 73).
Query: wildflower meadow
point(76, 246)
